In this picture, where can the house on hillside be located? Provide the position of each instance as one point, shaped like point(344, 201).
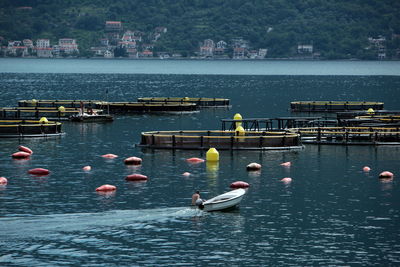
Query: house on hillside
point(113, 30)
point(220, 48)
point(207, 48)
point(68, 46)
point(43, 48)
point(305, 49)
point(379, 44)
point(17, 49)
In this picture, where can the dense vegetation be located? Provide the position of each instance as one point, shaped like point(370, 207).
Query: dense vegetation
point(336, 28)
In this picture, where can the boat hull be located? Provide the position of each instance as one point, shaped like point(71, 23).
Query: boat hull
point(226, 201)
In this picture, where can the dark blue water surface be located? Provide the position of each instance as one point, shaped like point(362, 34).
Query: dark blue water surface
point(332, 214)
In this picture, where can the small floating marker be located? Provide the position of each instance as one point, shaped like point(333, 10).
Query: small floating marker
point(370, 111)
point(43, 120)
point(39, 171)
point(253, 167)
point(286, 180)
point(286, 164)
point(366, 169)
point(239, 184)
point(106, 187)
point(21, 155)
point(133, 161)
point(195, 160)
point(237, 117)
point(109, 156)
point(87, 168)
point(25, 149)
point(61, 109)
point(186, 174)
point(212, 155)
point(136, 177)
point(386, 175)
point(3, 181)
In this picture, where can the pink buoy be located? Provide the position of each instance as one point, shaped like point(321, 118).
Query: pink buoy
point(286, 180)
point(186, 174)
point(136, 177)
point(25, 149)
point(386, 175)
point(286, 164)
point(239, 184)
point(3, 181)
point(87, 168)
point(106, 187)
point(133, 161)
point(110, 156)
point(366, 169)
point(195, 160)
point(20, 155)
point(253, 167)
point(39, 171)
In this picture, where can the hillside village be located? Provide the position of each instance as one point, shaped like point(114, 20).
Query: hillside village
point(120, 43)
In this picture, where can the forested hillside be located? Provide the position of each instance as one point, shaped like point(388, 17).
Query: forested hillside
point(335, 28)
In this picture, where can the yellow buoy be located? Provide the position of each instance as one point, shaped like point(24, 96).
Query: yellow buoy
point(61, 109)
point(238, 117)
point(212, 155)
point(43, 120)
point(370, 111)
point(239, 131)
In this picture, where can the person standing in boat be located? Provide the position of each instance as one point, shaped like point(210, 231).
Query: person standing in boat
point(196, 199)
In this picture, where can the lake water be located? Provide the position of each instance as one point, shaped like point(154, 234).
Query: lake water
point(332, 214)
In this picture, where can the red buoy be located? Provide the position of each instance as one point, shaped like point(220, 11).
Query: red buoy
point(366, 169)
point(3, 181)
point(239, 184)
point(20, 155)
point(195, 160)
point(253, 167)
point(25, 149)
point(286, 180)
point(386, 175)
point(39, 171)
point(109, 156)
point(133, 161)
point(87, 168)
point(286, 164)
point(136, 177)
point(106, 187)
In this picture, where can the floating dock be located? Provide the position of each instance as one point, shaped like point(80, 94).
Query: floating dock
point(29, 128)
point(333, 106)
point(225, 140)
point(203, 102)
point(113, 107)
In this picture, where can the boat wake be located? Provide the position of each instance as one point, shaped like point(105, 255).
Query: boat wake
point(23, 226)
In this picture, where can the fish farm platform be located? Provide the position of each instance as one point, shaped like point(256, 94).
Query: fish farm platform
point(333, 106)
point(32, 113)
point(113, 107)
point(224, 140)
point(350, 135)
point(28, 128)
point(202, 102)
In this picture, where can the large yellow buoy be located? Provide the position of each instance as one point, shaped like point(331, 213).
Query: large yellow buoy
point(61, 109)
point(43, 120)
point(212, 155)
point(238, 118)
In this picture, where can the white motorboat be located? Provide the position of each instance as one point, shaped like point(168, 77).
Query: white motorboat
point(225, 201)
